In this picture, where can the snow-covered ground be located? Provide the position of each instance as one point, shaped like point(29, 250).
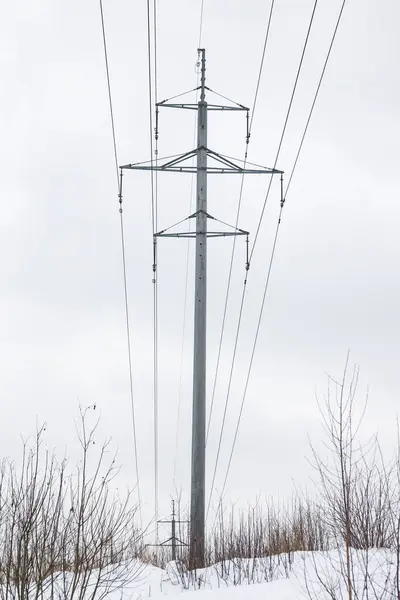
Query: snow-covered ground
point(317, 576)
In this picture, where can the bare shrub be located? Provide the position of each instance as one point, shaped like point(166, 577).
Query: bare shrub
point(63, 534)
point(359, 503)
point(268, 530)
point(248, 546)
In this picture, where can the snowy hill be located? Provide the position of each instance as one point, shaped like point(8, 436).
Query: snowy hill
point(317, 576)
point(374, 575)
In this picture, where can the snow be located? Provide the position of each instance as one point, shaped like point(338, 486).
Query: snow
point(316, 576)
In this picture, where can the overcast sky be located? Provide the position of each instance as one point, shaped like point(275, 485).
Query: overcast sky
point(334, 285)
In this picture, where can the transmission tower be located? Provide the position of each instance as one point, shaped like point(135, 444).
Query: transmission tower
point(172, 542)
point(207, 162)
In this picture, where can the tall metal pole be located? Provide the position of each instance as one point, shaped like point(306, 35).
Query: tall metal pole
point(222, 165)
point(197, 506)
point(173, 532)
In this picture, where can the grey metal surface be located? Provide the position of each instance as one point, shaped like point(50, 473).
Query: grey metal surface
point(197, 504)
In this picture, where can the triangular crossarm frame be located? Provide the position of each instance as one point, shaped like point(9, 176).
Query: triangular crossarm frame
point(192, 234)
point(226, 165)
point(209, 234)
point(194, 106)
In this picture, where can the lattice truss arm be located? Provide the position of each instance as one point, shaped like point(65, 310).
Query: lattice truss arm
point(218, 164)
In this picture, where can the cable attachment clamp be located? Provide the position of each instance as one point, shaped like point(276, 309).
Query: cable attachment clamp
point(247, 128)
point(120, 190)
point(283, 199)
point(154, 259)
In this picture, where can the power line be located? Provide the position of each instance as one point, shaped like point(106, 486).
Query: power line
point(227, 397)
point(231, 269)
point(262, 63)
point(252, 251)
point(119, 187)
point(234, 239)
point(285, 124)
point(276, 238)
point(109, 92)
point(316, 95)
point(201, 22)
point(128, 336)
point(254, 346)
point(154, 215)
point(155, 283)
point(183, 326)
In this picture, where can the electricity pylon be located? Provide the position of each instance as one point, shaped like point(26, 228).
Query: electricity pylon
point(207, 162)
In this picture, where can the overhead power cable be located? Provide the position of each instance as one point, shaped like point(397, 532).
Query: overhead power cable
point(276, 239)
point(316, 94)
point(127, 323)
point(234, 239)
point(254, 346)
point(155, 282)
point(252, 251)
point(201, 23)
point(154, 219)
point(261, 64)
point(284, 126)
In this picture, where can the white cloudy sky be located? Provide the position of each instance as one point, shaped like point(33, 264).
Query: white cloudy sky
point(334, 285)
